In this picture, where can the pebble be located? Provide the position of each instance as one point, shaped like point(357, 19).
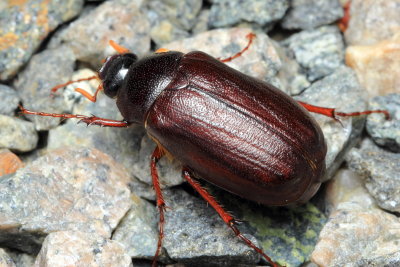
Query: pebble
point(225, 13)
point(195, 234)
point(261, 60)
point(306, 14)
point(357, 233)
point(78, 189)
point(137, 231)
point(384, 132)
point(340, 90)
point(17, 135)
point(372, 21)
point(5, 259)
point(10, 100)
point(24, 25)
point(171, 20)
point(44, 71)
point(377, 65)
point(318, 51)
point(9, 162)
point(88, 36)
point(381, 172)
point(74, 248)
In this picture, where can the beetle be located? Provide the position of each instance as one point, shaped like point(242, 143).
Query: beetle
point(235, 131)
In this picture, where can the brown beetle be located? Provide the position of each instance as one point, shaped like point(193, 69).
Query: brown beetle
point(235, 131)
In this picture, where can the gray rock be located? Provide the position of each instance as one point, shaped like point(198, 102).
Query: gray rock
point(88, 36)
point(196, 235)
point(137, 231)
point(261, 60)
point(17, 135)
point(25, 24)
point(318, 51)
point(342, 91)
point(381, 172)
point(372, 21)
point(357, 232)
point(74, 248)
point(231, 12)
point(9, 100)
point(384, 132)
point(306, 14)
point(5, 259)
point(171, 20)
point(44, 71)
point(21, 259)
point(202, 22)
point(68, 189)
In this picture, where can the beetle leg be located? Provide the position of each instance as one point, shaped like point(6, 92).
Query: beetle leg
point(331, 112)
point(92, 120)
point(86, 94)
point(226, 217)
point(249, 36)
point(155, 157)
point(161, 50)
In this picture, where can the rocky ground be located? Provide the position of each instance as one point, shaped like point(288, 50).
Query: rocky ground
point(72, 195)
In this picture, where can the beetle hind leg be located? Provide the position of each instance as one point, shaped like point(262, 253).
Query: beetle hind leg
point(226, 217)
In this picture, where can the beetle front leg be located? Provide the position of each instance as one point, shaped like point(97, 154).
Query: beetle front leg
point(155, 157)
point(226, 217)
point(331, 112)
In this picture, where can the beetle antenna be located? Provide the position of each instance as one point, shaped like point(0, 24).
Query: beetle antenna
point(249, 36)
point(119, 48)
point(55, 88)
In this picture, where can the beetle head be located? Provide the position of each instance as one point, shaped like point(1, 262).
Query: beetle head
point(114, 70)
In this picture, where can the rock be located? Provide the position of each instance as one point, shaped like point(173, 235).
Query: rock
point(10, 100)
point(384, 132)
point(372, 21)
point(137, 231)
point(44, 71)
point(225, 13)
point(9, 162)
point(21, 259)
point(318, 51)
point(171, 20)
point(377, 66)
point(24, 25)
point(5, 259)
point(88, 36)
point(260, 61)
point(357, 233)
point(381, 172)
point(78, 189)
point(73, 248)
point(306, 14)
point(17, 135)
point(195, 234)
point(342, 91)
point(202, 22)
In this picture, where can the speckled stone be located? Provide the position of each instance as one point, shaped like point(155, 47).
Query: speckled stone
point(357, 232)
point(171, 20)
point(24, 25)
point(372, 21)
point(88, 36)
point(381, 172)
point(286, 234)
point(5, 259)
point(44, 71)
point(306, 14)
point(137, 231)
point(261, 60)
point(377, 66)
point(21, 259)
point(9, 100)
point(68, 189)
point(73, 248)
point(231, 12)
point(342, 91)
point(384, 132)
point(17, 134)
point(195, 234)
point(319, 51)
